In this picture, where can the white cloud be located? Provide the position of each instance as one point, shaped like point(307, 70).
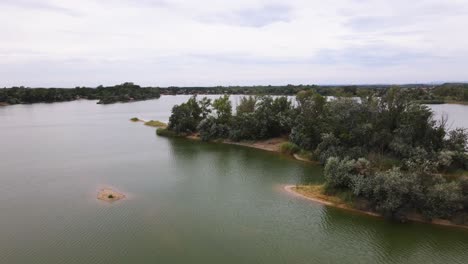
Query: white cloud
point(211, 42)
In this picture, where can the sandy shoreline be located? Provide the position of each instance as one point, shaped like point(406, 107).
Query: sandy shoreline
point(413, 218)
point(271, 145)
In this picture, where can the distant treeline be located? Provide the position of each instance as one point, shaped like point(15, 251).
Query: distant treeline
point(449, 92)
point(328, 90)
point(125, 92)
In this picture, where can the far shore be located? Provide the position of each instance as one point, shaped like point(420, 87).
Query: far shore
point(335, 202)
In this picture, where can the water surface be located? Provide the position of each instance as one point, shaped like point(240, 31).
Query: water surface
point(188, 202)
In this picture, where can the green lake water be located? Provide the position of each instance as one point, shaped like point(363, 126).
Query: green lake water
point(188, 202)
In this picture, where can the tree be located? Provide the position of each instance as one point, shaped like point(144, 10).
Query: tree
point(185, 117)
point(223, 108)
point(246, 105)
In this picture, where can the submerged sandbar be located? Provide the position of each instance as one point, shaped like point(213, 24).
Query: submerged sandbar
point(110, 195)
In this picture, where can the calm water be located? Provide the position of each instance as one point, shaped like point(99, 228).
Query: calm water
point(188, 202)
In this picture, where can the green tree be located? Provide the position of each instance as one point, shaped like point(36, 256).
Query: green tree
point(223, 108)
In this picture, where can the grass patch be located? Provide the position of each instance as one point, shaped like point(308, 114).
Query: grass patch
point(318, 192)
point(134, 119)
point(155, 123)
point(289, 148)
point(164, 132)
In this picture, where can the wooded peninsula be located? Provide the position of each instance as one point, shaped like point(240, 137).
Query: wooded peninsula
point(382, 152)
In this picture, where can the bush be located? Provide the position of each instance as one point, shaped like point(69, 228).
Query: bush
point(289, 148)
point(134, 119)
point(393, 191)
point(338, 173)
point(443, 200)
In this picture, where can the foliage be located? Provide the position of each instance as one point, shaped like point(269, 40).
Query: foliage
point(134, 119)
point(396, 192)
point(338, 173)
point(246, 105)
point(289, 148)
point(210, 128)
point(223, 109)
point(392, 191)
point(186, 116)
point(442, 200)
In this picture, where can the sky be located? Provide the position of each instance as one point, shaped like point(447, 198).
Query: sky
point(68, 43)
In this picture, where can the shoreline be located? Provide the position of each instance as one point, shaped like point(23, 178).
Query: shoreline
point(290, 189)
point(270, 145)
point(273, 145)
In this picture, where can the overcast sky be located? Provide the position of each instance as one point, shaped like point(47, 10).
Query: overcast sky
point(66, 43)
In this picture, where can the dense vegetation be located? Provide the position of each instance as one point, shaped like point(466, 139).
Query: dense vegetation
point(125, 92)
point(386, 151)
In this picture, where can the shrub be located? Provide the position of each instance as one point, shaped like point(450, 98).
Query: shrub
point(289, 148)
point(134, 119)
point(442, 200)
point(392, 191)
point(338, 173)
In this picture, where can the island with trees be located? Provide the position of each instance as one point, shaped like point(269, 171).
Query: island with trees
point(125, 92)
point(382, 153)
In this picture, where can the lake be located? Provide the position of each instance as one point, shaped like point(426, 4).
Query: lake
point(187, 201)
